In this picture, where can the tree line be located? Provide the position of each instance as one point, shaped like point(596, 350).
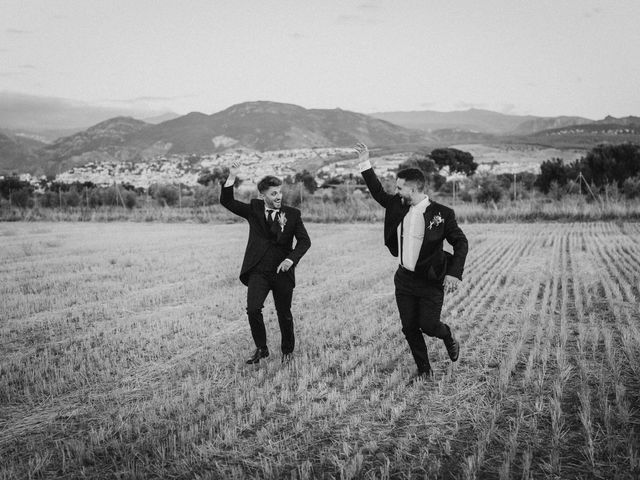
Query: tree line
point(604, 167)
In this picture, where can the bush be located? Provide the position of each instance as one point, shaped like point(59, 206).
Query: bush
point(130, 199)
point(490, 191)
point(22, 198)
point(71, 198)
point(49, 199)
point(205, 196)
point(294, 194)
point(166, 195)
point(10, 185)
point(631, 187)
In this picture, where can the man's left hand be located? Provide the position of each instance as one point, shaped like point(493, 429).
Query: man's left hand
point(284, 266)
point(451, 283)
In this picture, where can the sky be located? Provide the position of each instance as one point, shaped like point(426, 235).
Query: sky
point(546, 58)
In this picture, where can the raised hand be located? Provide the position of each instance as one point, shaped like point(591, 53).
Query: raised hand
point(363, 152)
point(234, 168)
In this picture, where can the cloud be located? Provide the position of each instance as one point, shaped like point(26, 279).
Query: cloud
point(593, 12)
point(150, 98)
point(368, 6)
point(351, 19)
point(10, 74)
point(28, 67)
point(468, 105)
point(20, 110)
point(507, 108)
point(297, 35)
point(428, 104)
point(16, 31)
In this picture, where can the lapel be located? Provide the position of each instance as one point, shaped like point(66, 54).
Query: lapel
point(428, 212)
point(277, 227)
point(260, 213)
point(402, 212)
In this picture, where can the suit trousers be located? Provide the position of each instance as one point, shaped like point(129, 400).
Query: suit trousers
point(420, 303)
point(281, 286)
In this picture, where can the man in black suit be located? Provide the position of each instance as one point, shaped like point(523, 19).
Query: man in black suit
point(414, 230)
point(269, 259)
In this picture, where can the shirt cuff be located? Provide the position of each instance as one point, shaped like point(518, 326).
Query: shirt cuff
point(366, 165)
point(289, 261)
point(229, 182)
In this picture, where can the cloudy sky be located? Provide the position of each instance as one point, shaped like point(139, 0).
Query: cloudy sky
point(561, 57)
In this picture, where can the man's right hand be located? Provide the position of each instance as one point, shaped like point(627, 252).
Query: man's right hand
point(364, 161)
point(234, 168)
point(363, 152)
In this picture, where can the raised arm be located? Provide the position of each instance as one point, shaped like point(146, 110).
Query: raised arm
point(227, 199)
point(370, 177)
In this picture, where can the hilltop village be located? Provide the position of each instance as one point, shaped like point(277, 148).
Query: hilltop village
point(184, 169)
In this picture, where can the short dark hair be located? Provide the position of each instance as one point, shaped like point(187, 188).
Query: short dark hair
point(413, 175)
point(267, 182)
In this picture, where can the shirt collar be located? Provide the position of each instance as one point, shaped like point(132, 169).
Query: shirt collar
point(422, 205)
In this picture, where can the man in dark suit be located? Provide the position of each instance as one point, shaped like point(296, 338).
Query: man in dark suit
point(414, 230)
point(269, 259)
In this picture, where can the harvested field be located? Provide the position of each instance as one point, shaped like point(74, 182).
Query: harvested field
point(122, 348)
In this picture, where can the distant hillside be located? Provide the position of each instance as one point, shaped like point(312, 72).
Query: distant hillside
point(272, 126)
point(165, 117)
point(576, 136)
point(538, 124)
point(477, 121)
point(109, 134)
point(104, 141)
point(40, 115)
point(268, 126)
point(17, 154)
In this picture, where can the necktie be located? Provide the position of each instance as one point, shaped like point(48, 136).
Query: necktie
point(272, 215)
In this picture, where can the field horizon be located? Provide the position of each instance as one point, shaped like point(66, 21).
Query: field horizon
point(123, 344)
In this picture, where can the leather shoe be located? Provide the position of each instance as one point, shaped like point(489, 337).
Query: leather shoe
point(258, 354)
point(420, 377)
point(453, 347)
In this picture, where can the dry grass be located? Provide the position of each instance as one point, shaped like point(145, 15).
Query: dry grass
point(365, 209)
point(122, 345)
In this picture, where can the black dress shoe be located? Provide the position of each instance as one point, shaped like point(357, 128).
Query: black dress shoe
point(453, 347)
point(420, 377)
point(258, 354)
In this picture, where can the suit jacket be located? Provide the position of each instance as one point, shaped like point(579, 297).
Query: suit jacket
point(433, 262)
point(261, 239)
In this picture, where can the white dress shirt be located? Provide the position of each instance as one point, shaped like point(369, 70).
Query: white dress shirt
point(411, 234)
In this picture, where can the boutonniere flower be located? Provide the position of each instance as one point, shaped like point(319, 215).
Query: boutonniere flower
point(282, 220)
point(435, 221)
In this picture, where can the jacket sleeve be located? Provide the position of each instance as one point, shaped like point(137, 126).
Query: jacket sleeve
point(230, 203)
point(455, 236)
point(375, 187)
point(303, 242)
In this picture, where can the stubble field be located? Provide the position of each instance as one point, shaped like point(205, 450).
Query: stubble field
point(122, 348)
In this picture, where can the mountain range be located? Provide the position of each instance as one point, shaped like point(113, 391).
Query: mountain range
point(264, 125)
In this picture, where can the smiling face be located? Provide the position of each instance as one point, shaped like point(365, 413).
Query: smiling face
point(405, 189)
point(273, 197)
